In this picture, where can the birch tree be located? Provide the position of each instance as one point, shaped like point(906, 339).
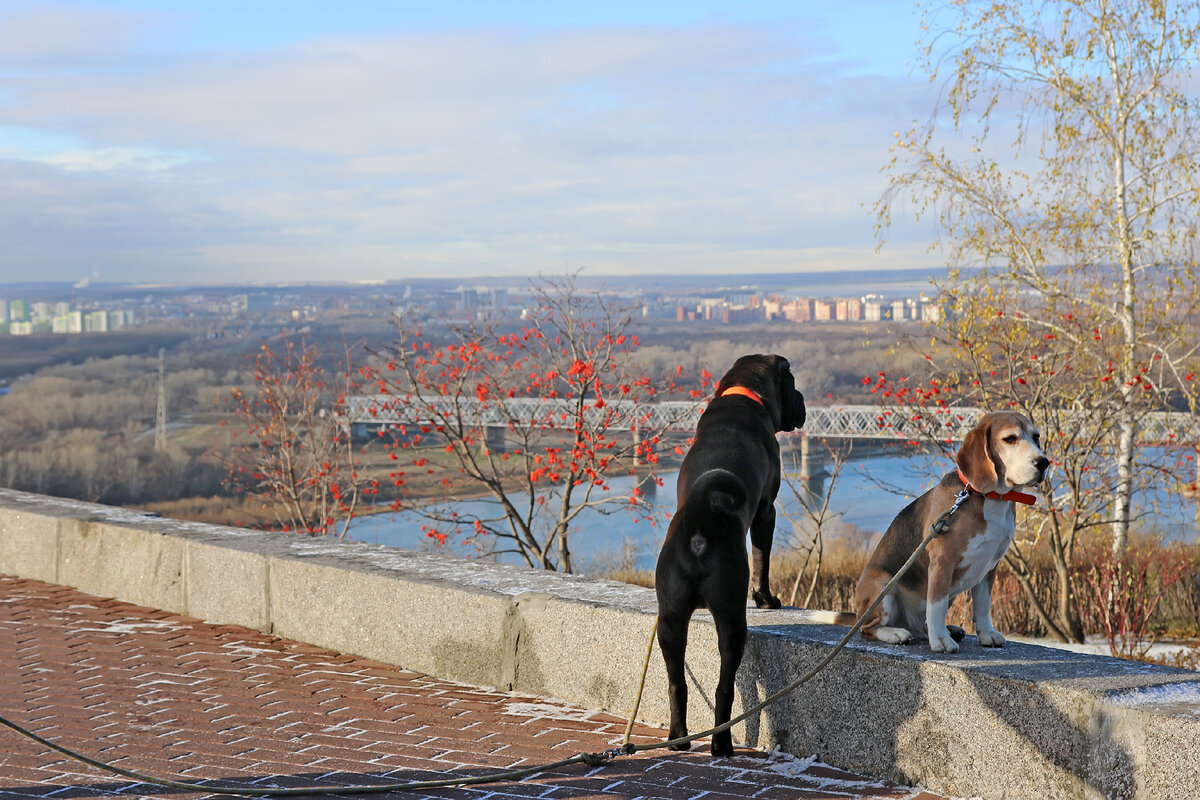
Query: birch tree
point(1061, 161)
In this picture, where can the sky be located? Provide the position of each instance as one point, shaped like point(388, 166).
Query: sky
point(265, 141)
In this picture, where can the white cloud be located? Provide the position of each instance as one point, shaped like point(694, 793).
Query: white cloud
point(467, 151)
point(143, 160)
point(48, 37)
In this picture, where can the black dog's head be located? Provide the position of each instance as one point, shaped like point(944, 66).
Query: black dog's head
point(770, 376)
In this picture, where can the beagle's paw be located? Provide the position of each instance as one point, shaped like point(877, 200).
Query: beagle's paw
point(893, 635)
point(943, 643)
point(956, 632)
point(990, 638)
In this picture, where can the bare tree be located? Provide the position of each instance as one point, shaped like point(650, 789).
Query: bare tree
point(296, 451)
point(808, 527)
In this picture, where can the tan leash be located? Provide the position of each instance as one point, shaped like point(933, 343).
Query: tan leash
point(637, 701)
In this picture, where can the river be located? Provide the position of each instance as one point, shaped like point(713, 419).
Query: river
point(863, 504)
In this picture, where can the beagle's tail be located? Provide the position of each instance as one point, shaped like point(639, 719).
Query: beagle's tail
point(832, 618)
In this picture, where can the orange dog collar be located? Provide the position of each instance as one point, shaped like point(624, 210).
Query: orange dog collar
point(744, 392)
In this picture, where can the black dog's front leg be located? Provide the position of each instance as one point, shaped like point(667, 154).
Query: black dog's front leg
point(672, 640)
point(762, 533)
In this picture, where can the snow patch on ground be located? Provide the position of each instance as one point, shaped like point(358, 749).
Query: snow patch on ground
point(794, 767)
point(237, 649)
point(548, 711)
point(129, 625)
point(1179, 697)
point(788, 764)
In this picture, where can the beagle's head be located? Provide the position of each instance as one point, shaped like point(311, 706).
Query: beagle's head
point(1002, 452)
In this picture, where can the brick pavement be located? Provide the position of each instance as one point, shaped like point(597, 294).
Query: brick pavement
point(173, 696)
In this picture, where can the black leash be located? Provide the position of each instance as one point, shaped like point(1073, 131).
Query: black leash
point(590, 759)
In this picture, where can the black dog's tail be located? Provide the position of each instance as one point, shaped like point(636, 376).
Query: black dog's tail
point(715, 501)
point(719, 492)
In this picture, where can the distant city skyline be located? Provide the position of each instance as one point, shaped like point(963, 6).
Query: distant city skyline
point(235, 142)
point(36, 309)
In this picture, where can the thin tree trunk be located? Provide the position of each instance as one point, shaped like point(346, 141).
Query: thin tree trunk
point(812, 585)
point(1123, 495)
point(1068, 618)
point(1035, 602)
point(1127, 314)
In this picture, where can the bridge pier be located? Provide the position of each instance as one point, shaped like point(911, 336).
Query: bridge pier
point(492, 440)
point(805, 467)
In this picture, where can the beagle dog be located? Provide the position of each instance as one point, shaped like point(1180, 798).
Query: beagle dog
point(1000, 454)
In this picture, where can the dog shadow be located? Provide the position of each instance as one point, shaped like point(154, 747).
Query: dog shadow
point(834, 714)
point(891, 712)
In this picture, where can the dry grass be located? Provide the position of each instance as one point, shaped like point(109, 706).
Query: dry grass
point(1176, 618)
point(637, 577)
point(246, 513)
point(834, 591)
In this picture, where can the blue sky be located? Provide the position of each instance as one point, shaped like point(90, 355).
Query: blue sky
point(272, 141)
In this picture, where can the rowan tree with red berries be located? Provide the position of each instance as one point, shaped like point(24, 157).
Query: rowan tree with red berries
point(567, 409)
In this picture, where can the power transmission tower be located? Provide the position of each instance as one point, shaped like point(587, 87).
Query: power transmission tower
point(160, 419)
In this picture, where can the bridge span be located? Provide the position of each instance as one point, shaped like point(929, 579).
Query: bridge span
point(896, 423)
point(824, 422)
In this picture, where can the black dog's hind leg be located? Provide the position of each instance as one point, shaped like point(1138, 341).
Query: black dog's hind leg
point(672, 641)
point(762, 533)
point(731, 641)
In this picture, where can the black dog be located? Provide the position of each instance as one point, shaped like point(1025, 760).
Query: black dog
point(727, 483)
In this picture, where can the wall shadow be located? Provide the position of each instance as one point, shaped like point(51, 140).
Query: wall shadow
point(852, 714)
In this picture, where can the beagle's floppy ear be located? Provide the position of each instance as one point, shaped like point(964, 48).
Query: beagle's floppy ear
point(975, 458)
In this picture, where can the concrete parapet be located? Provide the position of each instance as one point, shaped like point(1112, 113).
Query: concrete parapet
point(1018, 722)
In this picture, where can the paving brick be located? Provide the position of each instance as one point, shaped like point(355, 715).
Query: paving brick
point(177, 697)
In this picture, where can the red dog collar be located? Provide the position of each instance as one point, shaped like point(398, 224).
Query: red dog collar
point(1013, 496)
point(744, 392)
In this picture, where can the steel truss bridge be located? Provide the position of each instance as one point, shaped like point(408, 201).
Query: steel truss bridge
point(897, 423)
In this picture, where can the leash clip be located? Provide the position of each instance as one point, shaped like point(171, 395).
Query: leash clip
point(959, 498)
point(942, 524)
point(601, 758)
